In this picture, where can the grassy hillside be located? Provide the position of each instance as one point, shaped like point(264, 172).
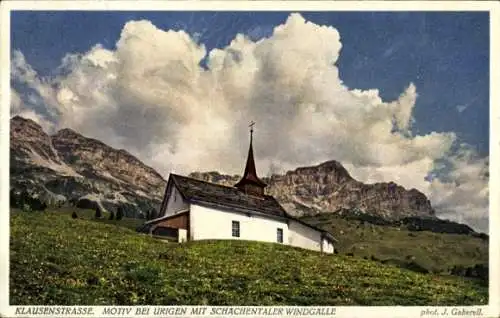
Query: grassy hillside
point(130, 223)
point(435, 252)
point(59, 260)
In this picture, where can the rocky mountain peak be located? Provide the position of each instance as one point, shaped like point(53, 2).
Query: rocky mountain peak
point(25, 130)
point(28, 140)
point(326, 172)
point(68, 133)
point(328, 187)
point(331, 166)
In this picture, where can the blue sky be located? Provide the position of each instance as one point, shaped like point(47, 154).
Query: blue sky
point(445, 54)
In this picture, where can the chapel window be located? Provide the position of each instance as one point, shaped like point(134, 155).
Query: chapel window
point(279, 233)
point(236, 229)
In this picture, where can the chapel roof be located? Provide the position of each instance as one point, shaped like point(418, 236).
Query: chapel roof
point(224, 196)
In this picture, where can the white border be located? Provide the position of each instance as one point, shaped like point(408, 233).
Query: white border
point(494, 197)
point(492, 310)
point(260, 5)
point(4, 155)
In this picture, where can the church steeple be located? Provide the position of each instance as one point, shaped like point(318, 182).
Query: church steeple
point(250, 183)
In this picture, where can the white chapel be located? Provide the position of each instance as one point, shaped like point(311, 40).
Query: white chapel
point(198, 210)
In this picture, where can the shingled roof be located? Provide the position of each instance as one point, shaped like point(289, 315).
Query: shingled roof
point(222, 196)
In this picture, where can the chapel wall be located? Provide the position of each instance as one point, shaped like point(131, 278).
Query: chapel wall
point(304, 236)
point(175, 203)
point(209, 223)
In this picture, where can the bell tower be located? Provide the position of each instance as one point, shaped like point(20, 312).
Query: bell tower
point(250, 183)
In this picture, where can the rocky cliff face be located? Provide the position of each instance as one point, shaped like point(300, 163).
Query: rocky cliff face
point(92, 158)
point(70, 168)
point(328, 187)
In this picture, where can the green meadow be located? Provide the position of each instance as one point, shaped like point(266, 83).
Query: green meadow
point(422, 250)
point(55, 259)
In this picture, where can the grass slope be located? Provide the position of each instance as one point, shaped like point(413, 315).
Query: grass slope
point(59, 260)
point(130, 223)
point(436, 252)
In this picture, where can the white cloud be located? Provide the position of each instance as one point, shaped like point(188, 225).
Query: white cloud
point(151, 97)
point(461, 108)
point(18, 108)
point(16, 102)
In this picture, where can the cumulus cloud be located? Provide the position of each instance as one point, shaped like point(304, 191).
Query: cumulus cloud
point(152, 97)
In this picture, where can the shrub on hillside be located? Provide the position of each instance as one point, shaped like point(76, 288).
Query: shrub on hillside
point(98, 213)
point(74, 215)
point(411, 265)
point(14, 199)
point(436, 225)
point(119, 213)
point(153, 214)
point(482, 236)
point(480, 271)
point(92, 280)
point(26, 201)
point(38, 205)
point(85, 203)
point(416, 267)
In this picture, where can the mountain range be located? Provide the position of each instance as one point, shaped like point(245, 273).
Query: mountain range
point(70, 169)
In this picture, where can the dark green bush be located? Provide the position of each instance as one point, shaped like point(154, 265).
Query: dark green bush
point(119, 213)
point(98, 213)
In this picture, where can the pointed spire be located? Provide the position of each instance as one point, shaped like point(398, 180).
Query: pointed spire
point(250, 183)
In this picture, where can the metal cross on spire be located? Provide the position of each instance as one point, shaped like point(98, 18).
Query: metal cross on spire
point(252, 123)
